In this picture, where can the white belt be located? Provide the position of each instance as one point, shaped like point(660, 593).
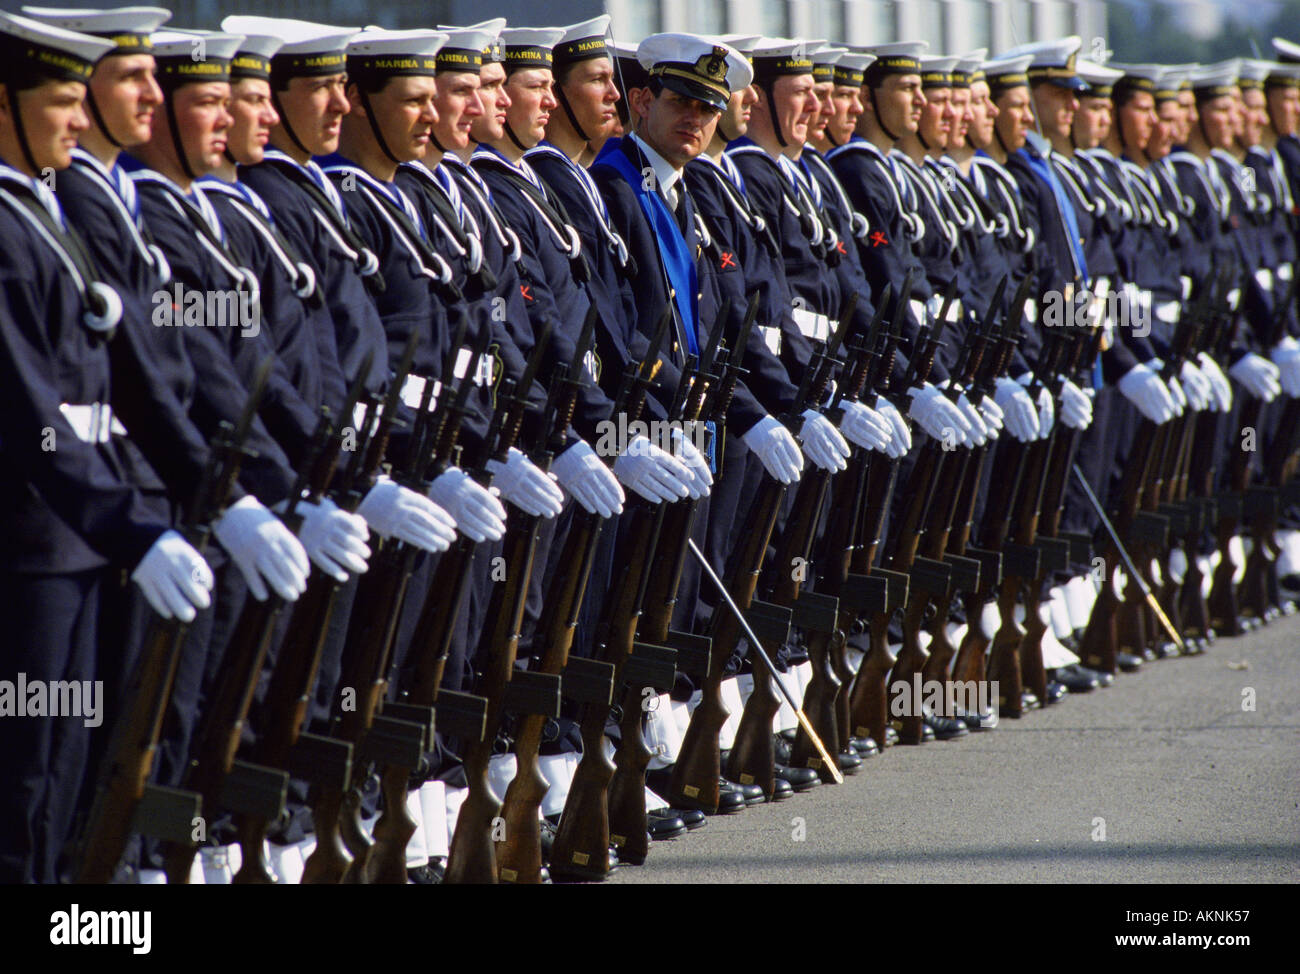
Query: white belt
point(771, 337)
point(94, 423)
point(813, 325)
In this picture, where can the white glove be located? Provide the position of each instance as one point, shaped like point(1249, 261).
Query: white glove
point(822, 441)
point(1018, 408)
point(979, 430)
point(994, 418)
point(174, 578)
point(653, 473)
point(901, 440)
point(1143, 388)
point(935, 413)
point(588, 480)
point(1196, 387)
point(335, 540)
point(1220, 387)
point(1179, 397)
point(525, 485)
point(775, 448)
point(1046, 413)
point(864, 426)
point(1258, 375)
point(1076, 407)
point(479, 515)
point(398, 512)
point(263, 548)
point(686, 451)
point(1286, 356)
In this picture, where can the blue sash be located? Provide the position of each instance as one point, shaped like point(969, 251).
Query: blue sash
point(674, 254)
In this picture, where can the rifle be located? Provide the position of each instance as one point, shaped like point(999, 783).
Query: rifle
point(697, 770)
point(283, 714)
point(519, 853)
point(711, 396)
point(472, 856)
point(124, 801)
point(581, 846)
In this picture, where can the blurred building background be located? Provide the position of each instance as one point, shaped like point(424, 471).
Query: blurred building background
point(1128, 30)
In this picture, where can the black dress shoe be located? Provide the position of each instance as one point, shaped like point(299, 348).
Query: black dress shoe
point(977, 721)
point(1149, 654)
point(1103, 679)
point(1165, 649)
point(693, 818)
point(849, 762)
point(1075, 680)
point(1029, 701)
point(927, 732)
point(1128, 662)
point(945, 728)
point(799, 779)
point(789, 735)
point(781, 789)
point(428, 875)
point(1056, 690)
point(1195, 645)
point(865, 746)
point(781, 749)
point(752, 794)
point(663, 823)
point(891, 737)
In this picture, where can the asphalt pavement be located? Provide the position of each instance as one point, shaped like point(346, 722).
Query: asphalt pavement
point(1185, 772)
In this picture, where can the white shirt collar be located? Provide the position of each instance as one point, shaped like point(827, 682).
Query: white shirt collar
point(665, 175)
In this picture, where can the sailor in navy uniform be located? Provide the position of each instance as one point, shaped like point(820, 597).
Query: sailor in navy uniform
point(1283, 91)
point(70, 514)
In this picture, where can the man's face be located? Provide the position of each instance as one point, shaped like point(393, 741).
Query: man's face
point(1190, 116)
point(203, 119)
point(589, 87)
point(796, 106)
point(314, 109)
point(846, 104)
point(1015, 117)
point(824, 112)
point(899, 102)
point(1284, 109)
point(532, 104)
point(1219, 121)
point(734, 122)
point(405, 115)
point(1254, 117)
point(1137, 120)
point(127, 94)
point(983, 115)
point(489, 125)
point(1169, 116)
point(962, 116)
point(53, 115)
point(254, 117)
point(1055, 107)
point(457, 105)
point(677, 127)
point(1092, 122)
point(936, 118)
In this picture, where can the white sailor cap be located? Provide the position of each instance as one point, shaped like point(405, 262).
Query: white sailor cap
point(824, 59)
point(1251, 74)
point(31, 50)
point(703, 68)
point(901, 57)
point(193, 56)
point(582, 42)
point(1004, 73)
point(493, 51)
point(129, 28)
point(253, 59)
point(378, 53)
point(1217, 80)
point(310, 50)
point(1053, 61)
point(1288, 52)
point(1099, 78)
point(529, 47)
point(1282, 75)
point(936, 70)
point(744, 43)
point(967, 66)
point(464, 50)
point(851, 67)
point(773, 57)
